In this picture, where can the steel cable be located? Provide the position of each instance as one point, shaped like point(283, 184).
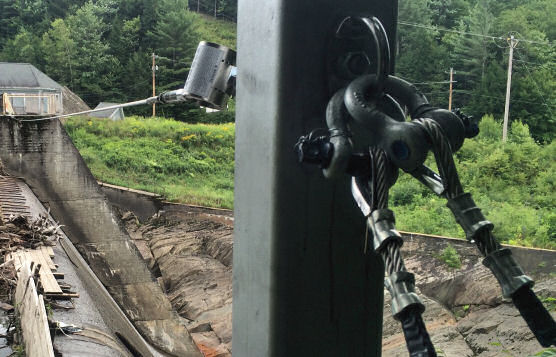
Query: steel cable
point(448, 172)
point(393, 260)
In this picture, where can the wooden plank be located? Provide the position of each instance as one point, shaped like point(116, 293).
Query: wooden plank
point(46, 256)
point(15, 257)
point(45, 330)
point(22, 280)
point(46, 278)
point(32, 315)
point(48, 282)
point(63, 296)
point(50, 251)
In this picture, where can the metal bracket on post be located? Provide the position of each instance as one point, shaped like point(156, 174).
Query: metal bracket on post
point(359, 46)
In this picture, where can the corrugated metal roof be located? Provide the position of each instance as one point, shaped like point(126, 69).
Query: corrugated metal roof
point(24, 75)
point(115, 114)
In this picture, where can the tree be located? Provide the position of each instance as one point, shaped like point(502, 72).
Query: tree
point(446, 13)
point(421, 57)
point(61, 60)
point(95, 69)
point(9, 20)
point(533, 97)
point(470, 55)
point(24, 47)
point(176, 39)
point(33, 15)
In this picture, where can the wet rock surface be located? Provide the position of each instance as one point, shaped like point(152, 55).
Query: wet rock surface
point(465, 315)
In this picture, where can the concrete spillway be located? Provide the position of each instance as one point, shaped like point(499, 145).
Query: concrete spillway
point(44, 156)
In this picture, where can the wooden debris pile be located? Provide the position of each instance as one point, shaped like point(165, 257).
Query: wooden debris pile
point(23, 232)
point(8, 281)
point(32, 313)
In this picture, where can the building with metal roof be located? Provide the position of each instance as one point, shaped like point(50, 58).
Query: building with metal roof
point(114, 114)
point(26, 91)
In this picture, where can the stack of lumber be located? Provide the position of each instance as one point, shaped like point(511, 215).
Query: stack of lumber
point(47, 274)
point(32, 314)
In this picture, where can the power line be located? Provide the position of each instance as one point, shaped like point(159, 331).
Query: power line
point(533, 63)
point(436, 28)
point(502, 98)
point(538, 88)
point(439, 82)
point(447, 30)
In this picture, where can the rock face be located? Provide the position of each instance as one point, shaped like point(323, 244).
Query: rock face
point(476, 331)
point(465, 315)
point(193, 257)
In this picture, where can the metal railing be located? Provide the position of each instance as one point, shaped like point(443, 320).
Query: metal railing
point(31, 104)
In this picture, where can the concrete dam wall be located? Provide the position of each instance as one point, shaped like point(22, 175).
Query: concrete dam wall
point(44, 156)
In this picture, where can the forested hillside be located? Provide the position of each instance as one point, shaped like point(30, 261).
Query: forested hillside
point(102, 49)
point(471, 37)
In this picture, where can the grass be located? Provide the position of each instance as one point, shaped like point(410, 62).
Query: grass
point(218, 31)
point(513, 183)
point(191, 163)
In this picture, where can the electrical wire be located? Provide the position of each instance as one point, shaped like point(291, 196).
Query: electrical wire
point(460, 91)
point(538, 89)
point(412, 24)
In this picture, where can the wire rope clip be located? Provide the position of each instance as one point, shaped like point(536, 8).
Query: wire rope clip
point(401, 286)
point(508, 273)
point(382, 223)
point(469, 216)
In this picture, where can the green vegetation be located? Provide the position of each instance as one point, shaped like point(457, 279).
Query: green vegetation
point(470, 37)
point(549, 302)
point(218, 31)
point(550, 352)
point(191, 163)
point(514, 183)
point(102, 49)
point(450, 257)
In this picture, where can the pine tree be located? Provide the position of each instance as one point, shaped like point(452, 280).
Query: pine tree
point(9, 21)
point(175, 37)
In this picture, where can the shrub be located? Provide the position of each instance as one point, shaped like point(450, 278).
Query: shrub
point(450, 257)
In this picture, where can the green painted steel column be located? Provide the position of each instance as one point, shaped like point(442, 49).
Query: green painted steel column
point(302, 285)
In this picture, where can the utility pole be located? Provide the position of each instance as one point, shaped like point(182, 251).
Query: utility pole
point(513, 43)
point(215, 8)
point(198, 5)
point(451, 81)
point(154, 83)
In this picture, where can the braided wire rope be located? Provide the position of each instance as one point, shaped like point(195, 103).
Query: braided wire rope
point(448, 172)
point(392, 257)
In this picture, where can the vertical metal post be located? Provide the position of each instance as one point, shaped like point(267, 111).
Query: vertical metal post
point(154, 83)
point(513, 43)
point(451, 81)
point(302, 285)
